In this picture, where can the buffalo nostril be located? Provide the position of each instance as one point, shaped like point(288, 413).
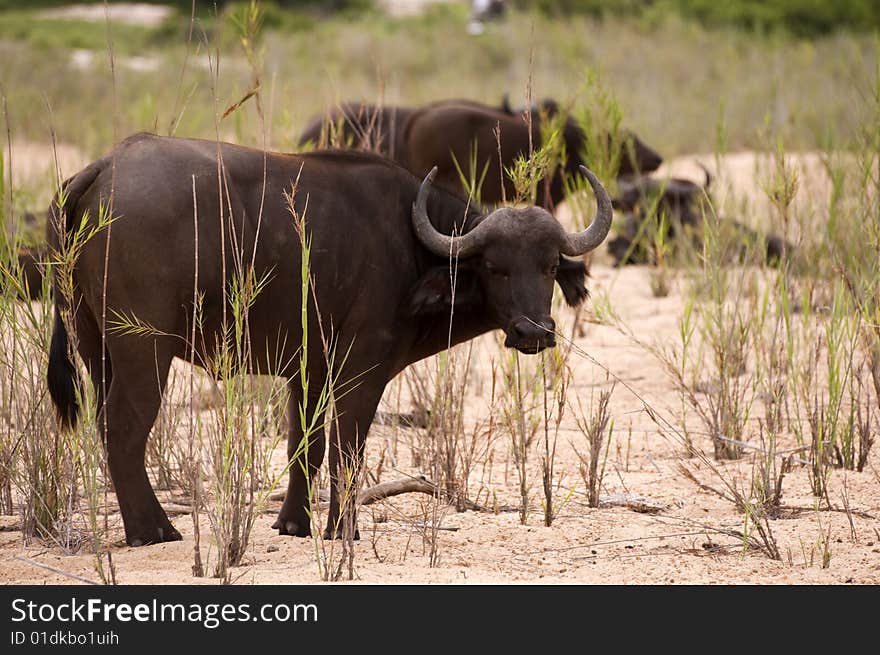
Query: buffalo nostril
point(521, 330)
point(525, 329)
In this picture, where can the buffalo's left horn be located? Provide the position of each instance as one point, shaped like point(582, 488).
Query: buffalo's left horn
point(442, 244)
point(582, 242)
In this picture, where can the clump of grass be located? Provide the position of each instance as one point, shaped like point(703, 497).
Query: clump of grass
point(725, 327)
point(448, 448)
point(759, 498)
point(854, 240)
point(600, 117)
point(762, 501)
point(660, 282)
point(556, 377)
point(65, 486)
point(596, 429)
point(520, 403)
point(473, 176)
point(853, 453)
point(315, 411)
point(527, 171)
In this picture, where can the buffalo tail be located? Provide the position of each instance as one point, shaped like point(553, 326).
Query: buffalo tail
point(62, 377)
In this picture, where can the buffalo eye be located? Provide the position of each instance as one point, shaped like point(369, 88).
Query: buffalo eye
point(551, 272)
point(492, 269)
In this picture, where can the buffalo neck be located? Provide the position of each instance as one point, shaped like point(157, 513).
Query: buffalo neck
point(435, 332)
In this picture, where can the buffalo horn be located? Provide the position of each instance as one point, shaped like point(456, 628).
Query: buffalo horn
point(708, 176)
point(442, 244)
point(582, 242)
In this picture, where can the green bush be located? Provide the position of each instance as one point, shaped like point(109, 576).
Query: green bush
point(804, 18)
point(800, 17)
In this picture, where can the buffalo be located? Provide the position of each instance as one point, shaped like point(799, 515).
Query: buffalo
point(449, 134)
point(26, 263)
point(544, 107)
point(27, 269)
point(31, 260)
point(384, 247)
point(685, 205)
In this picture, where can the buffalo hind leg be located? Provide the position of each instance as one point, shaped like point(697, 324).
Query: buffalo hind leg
point(354, 414)
point(88, 343)
point(294, 518)
point(140, 373)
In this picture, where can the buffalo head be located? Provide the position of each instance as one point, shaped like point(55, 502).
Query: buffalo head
point(636, 156)
point(515, 255)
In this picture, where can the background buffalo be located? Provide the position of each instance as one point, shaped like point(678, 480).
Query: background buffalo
point(459, 137)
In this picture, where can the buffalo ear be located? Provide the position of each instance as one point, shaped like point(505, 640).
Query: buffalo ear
point(505, 104)
point(571, 275)
point(432, 294)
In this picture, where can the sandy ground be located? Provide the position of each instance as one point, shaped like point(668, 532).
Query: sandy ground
point(35, 164)
point(411, 7)
point(693, 536)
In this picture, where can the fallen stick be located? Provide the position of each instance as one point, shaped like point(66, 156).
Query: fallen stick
point(423, 526)
point(176, 509)
point(631, 501)
point(370, 495)
point(415, 419)
point(40, 565)
point(384, 490)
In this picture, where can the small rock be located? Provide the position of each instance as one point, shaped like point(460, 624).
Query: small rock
point(272, 549)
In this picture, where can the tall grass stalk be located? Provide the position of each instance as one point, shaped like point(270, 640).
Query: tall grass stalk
point(556, 380)
point(315, 411)
point(596, 428)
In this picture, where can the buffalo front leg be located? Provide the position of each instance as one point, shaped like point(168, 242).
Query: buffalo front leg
point(305, 457)
point(131, 407)
point(348, 433)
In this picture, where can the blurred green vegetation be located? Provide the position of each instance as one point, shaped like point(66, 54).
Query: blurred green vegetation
point(673, 79)
point(203, 7)
point(807, 18)
point(58, 32)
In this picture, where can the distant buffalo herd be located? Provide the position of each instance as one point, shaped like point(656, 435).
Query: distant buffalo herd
point(449, 134)
point(403, 265)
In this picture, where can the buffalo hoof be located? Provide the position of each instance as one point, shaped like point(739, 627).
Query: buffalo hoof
point(337, 534)
point(293, 528)
point(157, 535)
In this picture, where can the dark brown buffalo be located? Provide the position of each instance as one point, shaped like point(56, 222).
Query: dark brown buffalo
point(31, 262)
point(31, 259)
point(446, 133)
point(545, 106)
point(685, 204)
point(28, 283)
point(27, 268)
point(381, 260)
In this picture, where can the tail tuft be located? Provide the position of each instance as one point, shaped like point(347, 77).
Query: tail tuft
point(62, 377)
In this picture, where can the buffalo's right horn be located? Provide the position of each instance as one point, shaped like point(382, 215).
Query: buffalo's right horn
point(707, 174)
point(582, 242)
point(442, 244)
